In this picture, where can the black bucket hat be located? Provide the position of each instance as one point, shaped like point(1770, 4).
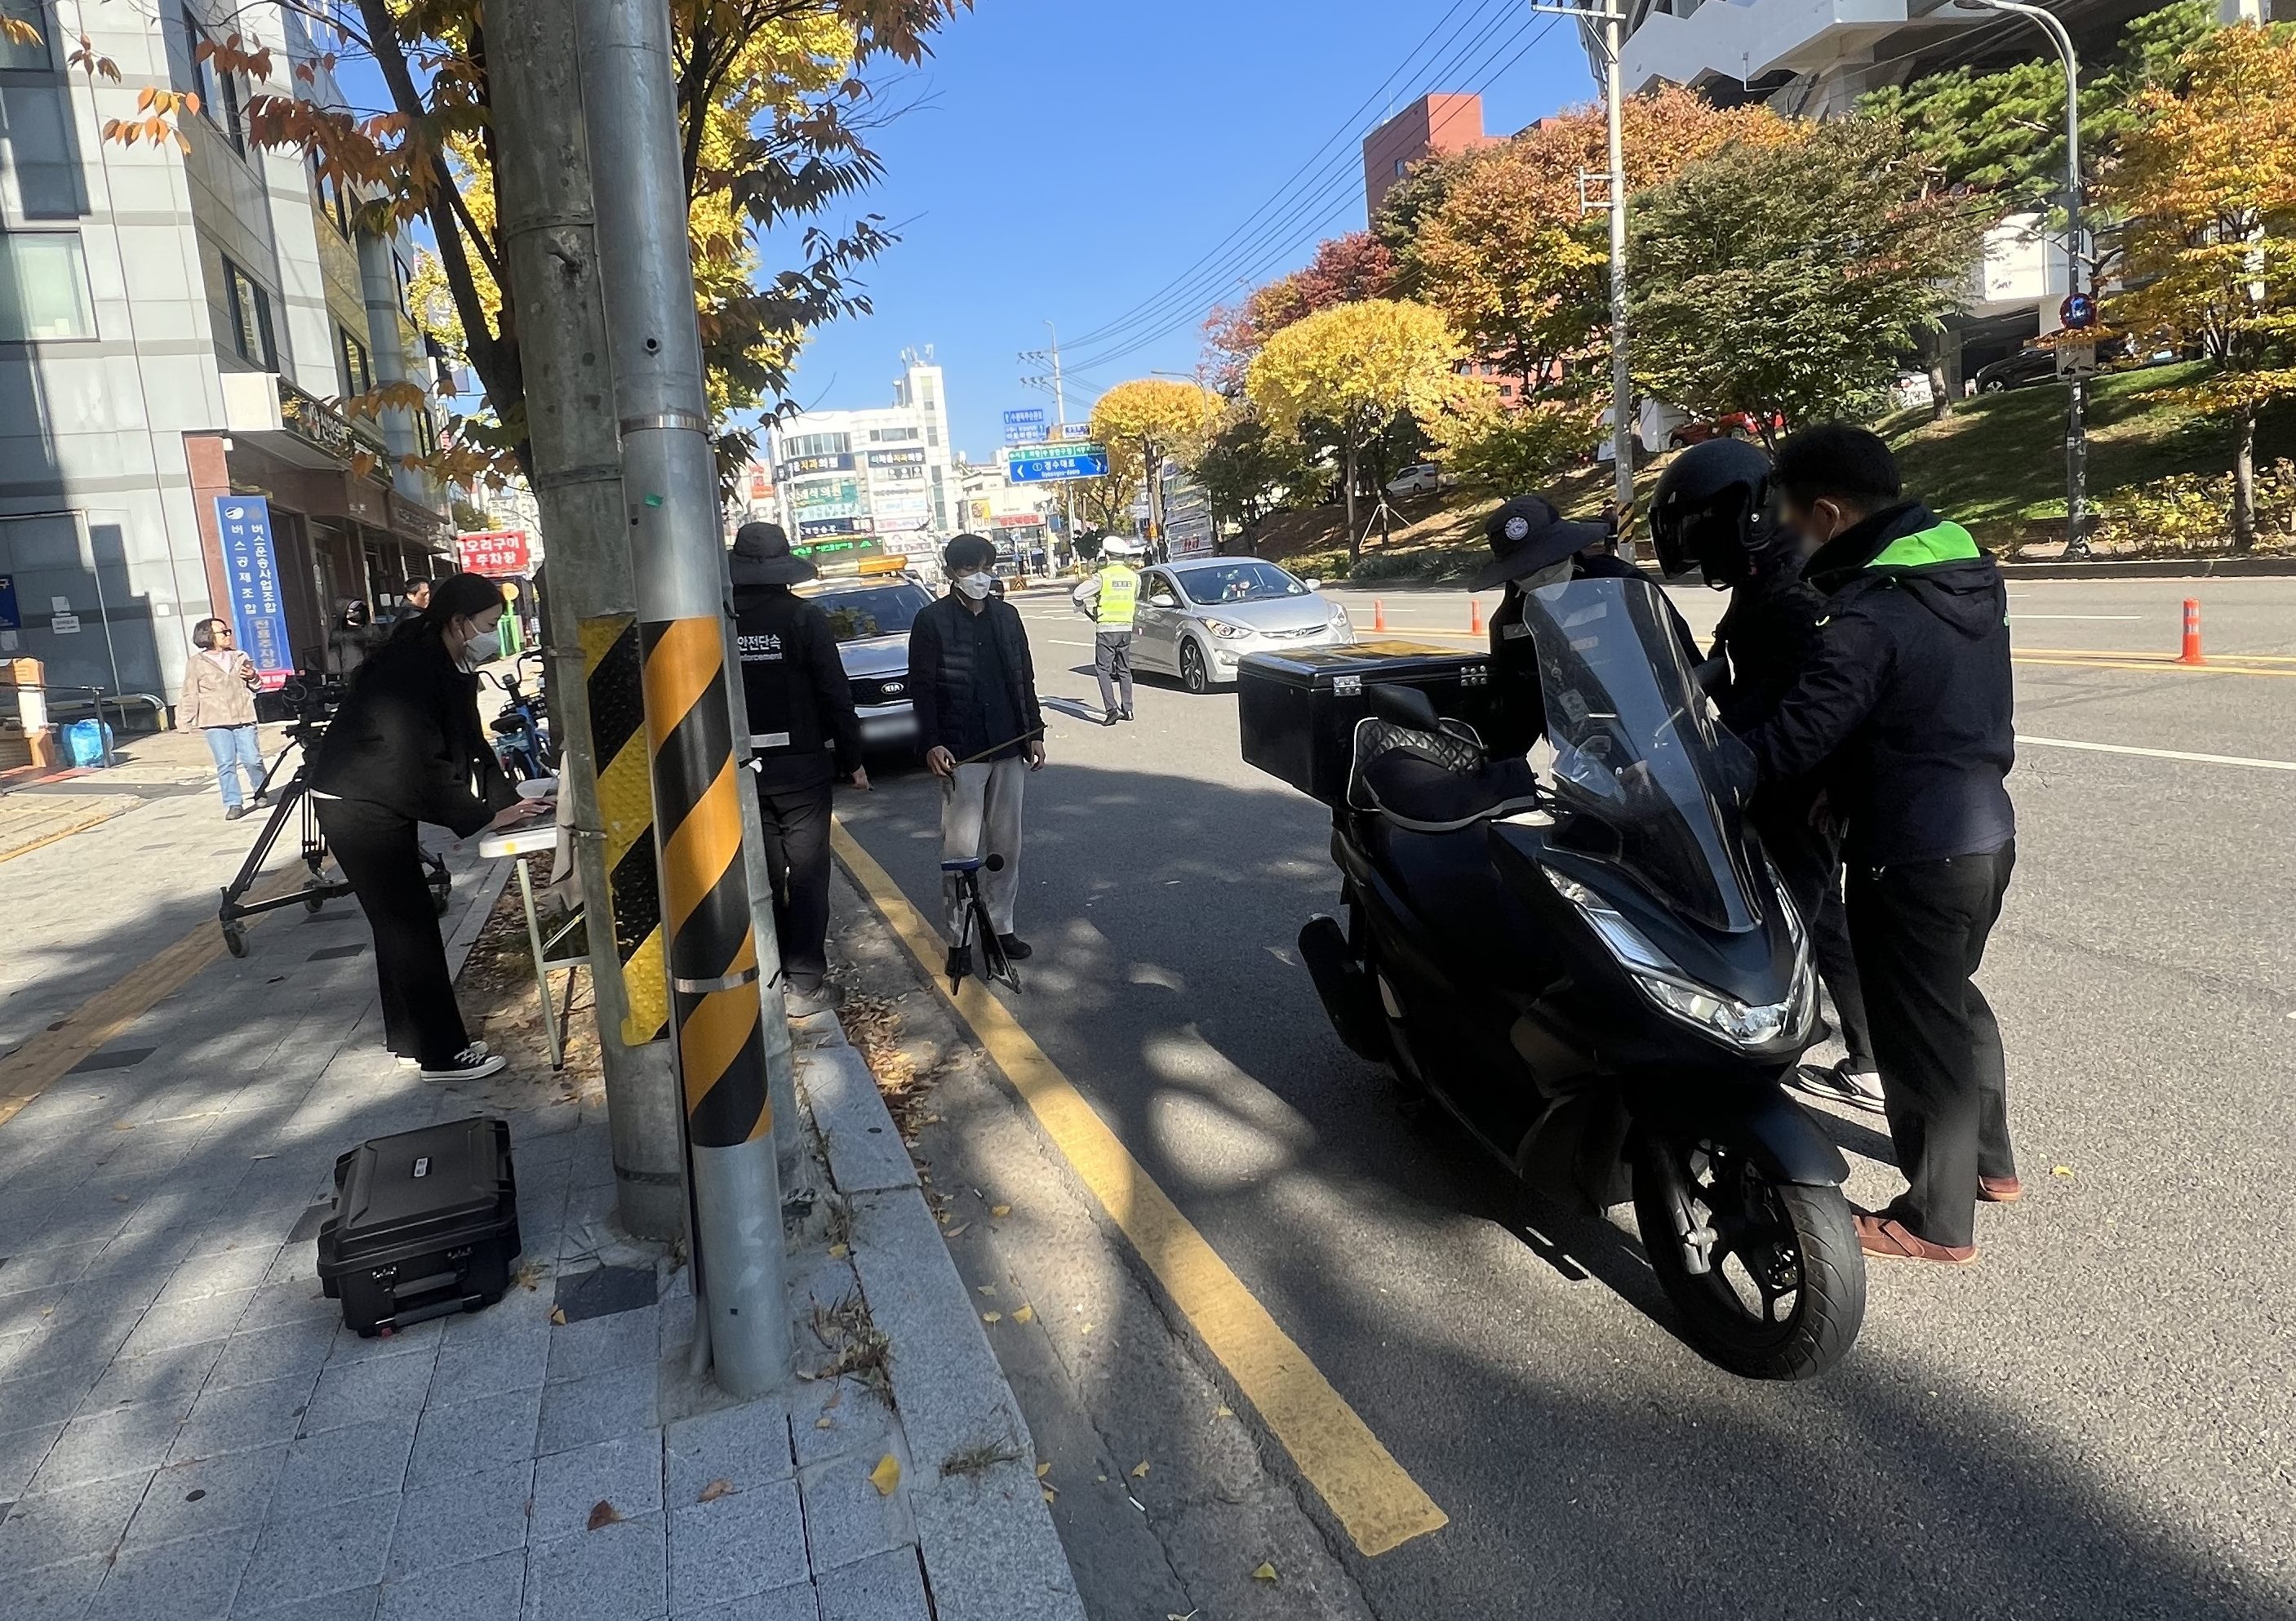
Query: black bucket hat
point(1527, 534)
point(761, 557)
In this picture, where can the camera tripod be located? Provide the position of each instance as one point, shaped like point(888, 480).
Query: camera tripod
point(295, 800)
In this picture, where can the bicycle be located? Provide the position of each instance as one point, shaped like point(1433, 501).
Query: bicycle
point(972, 914)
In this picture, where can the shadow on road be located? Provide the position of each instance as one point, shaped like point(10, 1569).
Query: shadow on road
point(1591, 1464)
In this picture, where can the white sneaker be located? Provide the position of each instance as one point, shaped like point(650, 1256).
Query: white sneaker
point(472, 1063)
point(1840, 1084)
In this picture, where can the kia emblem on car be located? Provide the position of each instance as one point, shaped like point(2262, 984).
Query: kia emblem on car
point(892, 687)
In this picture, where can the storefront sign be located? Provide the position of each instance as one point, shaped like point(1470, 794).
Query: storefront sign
point(11, 618)
point(811, 527)
point(897, 458)
point(494, 553)
point(258, 614)
point(798, 466)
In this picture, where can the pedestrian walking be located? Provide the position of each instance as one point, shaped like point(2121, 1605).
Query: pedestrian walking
point(406, 748)
point(1108, 598)
point(800, 712)
point(412, 603)
point(1907, 708)
point(219, 702)
point(977, 720)
point(1712, 512)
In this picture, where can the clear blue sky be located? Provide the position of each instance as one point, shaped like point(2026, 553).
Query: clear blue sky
point(1070, 158)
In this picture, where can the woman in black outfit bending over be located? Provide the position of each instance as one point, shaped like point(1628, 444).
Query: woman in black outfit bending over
point(406, 747)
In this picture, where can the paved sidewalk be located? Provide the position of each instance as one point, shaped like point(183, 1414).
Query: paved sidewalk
point(187, 1430)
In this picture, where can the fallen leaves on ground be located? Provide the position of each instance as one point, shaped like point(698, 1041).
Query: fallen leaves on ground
point(2060, 1170)
point(558, 1315)
point(1000, 1210)
point(886, 1475)
point(992, 1316)
point(1266, 1572)
point(958, 1229)
point(715, 1490)
point(1025, 1313)
point(603, 1515)
point(837, 1252)
point(873, 1026)
point(1224, 1411)
point(984, 1289)
point(1140, 1470)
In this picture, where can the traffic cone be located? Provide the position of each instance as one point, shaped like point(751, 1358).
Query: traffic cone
point(1378, 614)
point(1474, 617)
point(2192, 653)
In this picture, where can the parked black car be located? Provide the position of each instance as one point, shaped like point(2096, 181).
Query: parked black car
point(2031, 365)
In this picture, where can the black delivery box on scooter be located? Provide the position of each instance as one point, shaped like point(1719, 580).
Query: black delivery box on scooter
point(425, 1223)
point(1298, 710)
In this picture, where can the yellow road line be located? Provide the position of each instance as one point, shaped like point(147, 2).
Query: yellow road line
point(46, 839)
point(48, 1057)
point(1375, 1501)
point(2156, 667)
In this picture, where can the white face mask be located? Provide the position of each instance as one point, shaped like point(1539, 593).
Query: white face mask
point(975, 585)
point(484, 648)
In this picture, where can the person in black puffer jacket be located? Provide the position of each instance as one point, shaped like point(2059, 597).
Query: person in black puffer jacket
point(406, 748)
point(974, 687)
point(1907, 709)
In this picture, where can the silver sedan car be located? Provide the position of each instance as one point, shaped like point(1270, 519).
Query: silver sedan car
point(1200, 615)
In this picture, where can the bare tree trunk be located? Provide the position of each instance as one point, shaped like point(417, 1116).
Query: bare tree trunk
point(2244, 485)
point(1355, 541)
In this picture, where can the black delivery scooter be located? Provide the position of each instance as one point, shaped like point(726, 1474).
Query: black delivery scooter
point(1602, 978)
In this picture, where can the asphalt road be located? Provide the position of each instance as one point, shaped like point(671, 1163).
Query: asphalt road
point(2097, 1420)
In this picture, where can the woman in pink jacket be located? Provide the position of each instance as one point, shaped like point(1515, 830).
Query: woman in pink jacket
point(219, 685)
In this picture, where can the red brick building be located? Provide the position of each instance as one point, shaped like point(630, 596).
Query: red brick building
point(1439, 126)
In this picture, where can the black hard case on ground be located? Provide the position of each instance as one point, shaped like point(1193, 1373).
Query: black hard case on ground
point(1298, 710)
point(425, 1223)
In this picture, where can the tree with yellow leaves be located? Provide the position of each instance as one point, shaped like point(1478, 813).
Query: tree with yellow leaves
point(1352, 370)
point(1148, 421)
point(2207, 181)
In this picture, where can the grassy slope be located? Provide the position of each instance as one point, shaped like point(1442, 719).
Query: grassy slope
point(1996, 464)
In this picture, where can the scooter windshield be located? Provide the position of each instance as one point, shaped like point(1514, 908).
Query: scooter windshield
point(1635, 748)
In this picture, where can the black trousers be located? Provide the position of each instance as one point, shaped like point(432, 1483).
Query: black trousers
point(382, 862)
point(796, 822)
point(1808, 860)
point(1919, 932)
point(1111, 661)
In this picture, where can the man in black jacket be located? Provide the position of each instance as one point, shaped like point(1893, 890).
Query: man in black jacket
point(974, 689)
point(1907, 708)
point(800, 711)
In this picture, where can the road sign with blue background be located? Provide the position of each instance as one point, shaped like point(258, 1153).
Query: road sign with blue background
point(1050, 464)
point(9, 618)
point(1025, 425)
point(258, 614)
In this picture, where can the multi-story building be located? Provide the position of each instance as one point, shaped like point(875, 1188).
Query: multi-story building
point(1814, 58)
point(1439, 126)
point(174, 325)
point(1011, 515)
point(887, 473)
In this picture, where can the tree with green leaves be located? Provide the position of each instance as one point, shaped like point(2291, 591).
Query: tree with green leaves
point(1791, 278)
point(1248, 472)
point(2207, 180)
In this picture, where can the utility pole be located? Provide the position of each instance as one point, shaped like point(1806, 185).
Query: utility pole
point(542, 177)
point(712, 946)
point(1061, 432)
point(2075, 381)
point(1606, 44)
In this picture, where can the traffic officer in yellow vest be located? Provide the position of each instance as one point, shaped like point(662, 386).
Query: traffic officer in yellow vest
point(1108, 598)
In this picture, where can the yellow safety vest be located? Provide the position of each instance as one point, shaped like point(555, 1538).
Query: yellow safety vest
point(1119, 593)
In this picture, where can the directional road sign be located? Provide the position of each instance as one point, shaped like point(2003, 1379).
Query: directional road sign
point(1050, 464)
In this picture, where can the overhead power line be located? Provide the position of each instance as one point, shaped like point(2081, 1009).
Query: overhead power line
point(1331, 193)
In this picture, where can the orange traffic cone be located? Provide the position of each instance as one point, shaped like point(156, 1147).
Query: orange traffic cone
point(2192, 653)
point(1378, 614)
point(1474, 617)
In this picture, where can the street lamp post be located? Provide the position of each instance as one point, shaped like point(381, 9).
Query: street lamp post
point(2077, 385)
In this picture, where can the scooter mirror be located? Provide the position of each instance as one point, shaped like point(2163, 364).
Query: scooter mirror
point(1402, 706)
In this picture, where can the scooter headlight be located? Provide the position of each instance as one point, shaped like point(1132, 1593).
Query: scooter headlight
point(1675, 992)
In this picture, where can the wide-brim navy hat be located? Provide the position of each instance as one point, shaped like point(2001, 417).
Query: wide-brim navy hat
point(1527, 534)
point(762, 557)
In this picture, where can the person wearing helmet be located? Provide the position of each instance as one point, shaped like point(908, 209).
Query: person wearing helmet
point(1712, 511)
point(1107, 599)
point(1909, 706)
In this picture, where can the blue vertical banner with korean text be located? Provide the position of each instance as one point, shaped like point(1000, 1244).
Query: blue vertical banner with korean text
point(257, 612)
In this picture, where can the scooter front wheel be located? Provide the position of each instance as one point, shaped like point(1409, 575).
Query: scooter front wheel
point(1767, 1275)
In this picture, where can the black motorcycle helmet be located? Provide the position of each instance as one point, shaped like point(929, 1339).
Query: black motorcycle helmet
point(1711, 509)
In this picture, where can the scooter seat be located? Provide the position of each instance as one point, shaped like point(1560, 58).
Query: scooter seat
point(1424, 795)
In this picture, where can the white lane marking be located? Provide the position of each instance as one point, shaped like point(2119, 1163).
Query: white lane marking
point(2076, 616)
point(2158, 754)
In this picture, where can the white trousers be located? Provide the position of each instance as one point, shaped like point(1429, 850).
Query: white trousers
point(980, 816)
